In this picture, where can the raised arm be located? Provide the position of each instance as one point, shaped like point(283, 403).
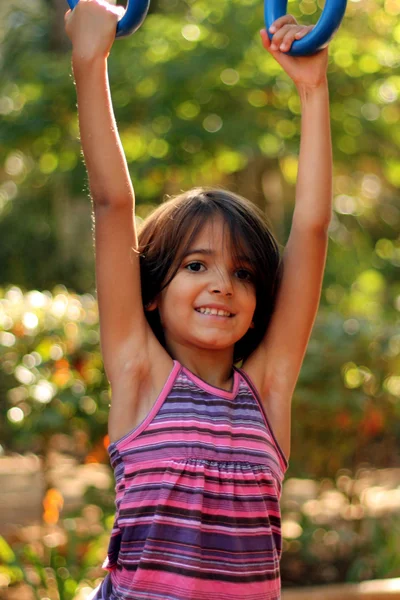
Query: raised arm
point(91, 27)
point(276, 364)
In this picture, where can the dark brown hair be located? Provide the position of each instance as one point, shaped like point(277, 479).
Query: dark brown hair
point(169, 231)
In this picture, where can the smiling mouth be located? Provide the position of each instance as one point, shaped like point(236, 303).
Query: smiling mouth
point(214, 312)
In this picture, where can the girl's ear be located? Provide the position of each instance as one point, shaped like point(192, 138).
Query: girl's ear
point(151, 305)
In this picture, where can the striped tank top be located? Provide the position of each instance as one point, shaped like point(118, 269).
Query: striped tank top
point(198, 484)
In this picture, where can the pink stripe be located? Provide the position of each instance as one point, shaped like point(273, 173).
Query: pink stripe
point(214, 390)
point(171, 582)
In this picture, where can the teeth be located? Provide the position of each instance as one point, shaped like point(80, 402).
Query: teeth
point(214, 311)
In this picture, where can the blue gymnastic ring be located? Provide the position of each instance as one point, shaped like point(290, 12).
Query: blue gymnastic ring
point(134, 16)
point(316, 39)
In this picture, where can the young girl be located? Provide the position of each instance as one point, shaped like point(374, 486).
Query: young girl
point(199, 447)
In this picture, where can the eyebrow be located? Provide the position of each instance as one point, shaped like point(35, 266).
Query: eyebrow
point(208, 252)
point(198, 251)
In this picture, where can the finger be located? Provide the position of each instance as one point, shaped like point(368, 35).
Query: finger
point(285, 20)
point(67, 16)
point(266, 42)
point(274, 51)
point(288, 39)
point(303, 31)
point(280, 35)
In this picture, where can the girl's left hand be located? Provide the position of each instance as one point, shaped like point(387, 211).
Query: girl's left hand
point(309, 71)
point(91, 28)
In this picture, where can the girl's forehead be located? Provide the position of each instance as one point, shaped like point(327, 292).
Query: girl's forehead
point(213, 230)
point(216, 236)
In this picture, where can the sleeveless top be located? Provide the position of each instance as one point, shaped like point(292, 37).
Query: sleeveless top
point(198, 484)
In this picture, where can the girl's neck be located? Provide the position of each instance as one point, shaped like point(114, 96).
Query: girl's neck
point(215, 368)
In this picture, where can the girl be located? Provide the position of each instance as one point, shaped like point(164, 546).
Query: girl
point(199, 447)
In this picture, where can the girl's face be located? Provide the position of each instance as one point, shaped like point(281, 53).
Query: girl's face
point(210, 302)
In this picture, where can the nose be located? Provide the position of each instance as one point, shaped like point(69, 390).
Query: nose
point(221, 284)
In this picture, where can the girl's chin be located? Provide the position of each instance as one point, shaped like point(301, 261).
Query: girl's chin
point(215, 344)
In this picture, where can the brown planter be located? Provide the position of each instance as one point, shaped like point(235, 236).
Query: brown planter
point(383, 589)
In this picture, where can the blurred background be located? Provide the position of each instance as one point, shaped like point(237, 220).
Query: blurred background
point(198, 101)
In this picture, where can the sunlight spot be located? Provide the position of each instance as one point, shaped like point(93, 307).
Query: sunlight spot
point(291, 529)
point(229, 76)
point(191, 33)
point(212, 123)
point(15, 415)
point(43, 392)
point(7, 339)
point(24, 375)
point(30, 320)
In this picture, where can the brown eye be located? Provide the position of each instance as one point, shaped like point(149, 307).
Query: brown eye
point(244, 275)
point(194, 266)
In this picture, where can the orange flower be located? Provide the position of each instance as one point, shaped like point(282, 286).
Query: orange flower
point(53, 503)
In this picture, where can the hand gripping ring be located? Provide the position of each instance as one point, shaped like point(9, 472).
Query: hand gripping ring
point(135, 14)
point(318, 37)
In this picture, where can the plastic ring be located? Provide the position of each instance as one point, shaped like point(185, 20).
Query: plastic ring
point(135, 14)
point(318, 37)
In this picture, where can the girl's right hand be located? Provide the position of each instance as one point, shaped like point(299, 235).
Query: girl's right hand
point(91, 28)
point(308, 71)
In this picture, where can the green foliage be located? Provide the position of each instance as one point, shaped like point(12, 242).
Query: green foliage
point(198, 101)
point(346, 406)
point(6, 553)
point(51, 371)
